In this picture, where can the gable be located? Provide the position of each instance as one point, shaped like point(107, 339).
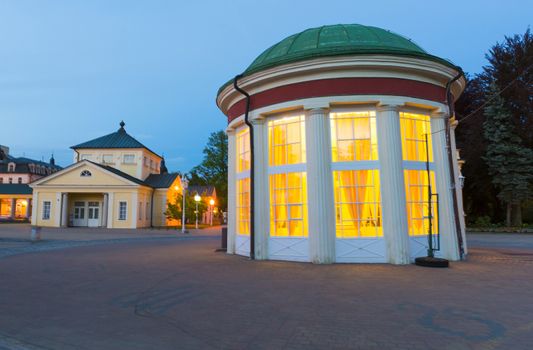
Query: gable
point(84, 174)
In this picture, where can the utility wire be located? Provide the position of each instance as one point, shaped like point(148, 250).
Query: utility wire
point(490, 99)
point(497, 94)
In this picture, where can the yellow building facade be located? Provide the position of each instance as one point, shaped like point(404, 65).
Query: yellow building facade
point(115, 182)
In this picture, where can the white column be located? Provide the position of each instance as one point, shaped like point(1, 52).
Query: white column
point(110, 209)
point(447, 231)
point(55, 210)
point(29, 209)
point(262, 199)
point(320, 201)
point(105, 209)
point(459, 189)
point(35, 207)
point(232, 191)
point(393, 206)
point(64, 209)
point(134, 207)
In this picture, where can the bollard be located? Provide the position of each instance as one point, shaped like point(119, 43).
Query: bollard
point(224, 240)
point(35, 233)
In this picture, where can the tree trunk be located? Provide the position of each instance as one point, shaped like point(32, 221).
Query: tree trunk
point(508, 215)
point(517, 215)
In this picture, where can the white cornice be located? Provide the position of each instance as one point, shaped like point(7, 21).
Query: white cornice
point(378, 66)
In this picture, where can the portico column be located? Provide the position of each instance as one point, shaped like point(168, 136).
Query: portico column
point(110, 209)
point(64, 209)
point(320, 201)
point(393, 205)
point(105, 206)
point(29, 209)
point(35, 207)
point(447, 230)
point(232, 192)
point(459, 189)
point(261, 197)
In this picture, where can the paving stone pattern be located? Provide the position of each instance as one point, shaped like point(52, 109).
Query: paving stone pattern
point(163, 293)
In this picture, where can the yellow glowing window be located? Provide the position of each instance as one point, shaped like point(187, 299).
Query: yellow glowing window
point(357, 203)
point(288, 208)
point(417, 200)
point(243, 206)
point(5, 207)
point(353, 136)
point(414, 127)
point(243, 150)
point(286, 140)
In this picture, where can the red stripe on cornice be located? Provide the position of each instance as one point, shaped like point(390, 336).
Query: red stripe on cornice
point(339, 87)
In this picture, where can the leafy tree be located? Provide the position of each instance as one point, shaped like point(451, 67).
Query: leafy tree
point(214, 167)
point(511, 68)
point(174, 208)
point(510, 163)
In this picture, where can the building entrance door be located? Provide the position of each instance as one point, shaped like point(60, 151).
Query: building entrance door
point(79, 214)
point(94, 214)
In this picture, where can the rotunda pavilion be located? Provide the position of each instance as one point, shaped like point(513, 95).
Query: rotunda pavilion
point(341, 149)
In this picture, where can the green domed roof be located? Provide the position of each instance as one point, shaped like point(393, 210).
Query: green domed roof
point(339, 39)
point(336, 40)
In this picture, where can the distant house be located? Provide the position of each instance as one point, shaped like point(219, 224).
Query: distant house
point(209, 195)
point(115, 182)
point(15, 175)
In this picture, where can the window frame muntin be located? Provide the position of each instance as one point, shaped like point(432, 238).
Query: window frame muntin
point(286, 169)
point(356, 165)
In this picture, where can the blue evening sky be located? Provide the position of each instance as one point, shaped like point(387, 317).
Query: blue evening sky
point(71, 70)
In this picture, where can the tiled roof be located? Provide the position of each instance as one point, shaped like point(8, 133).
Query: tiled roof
point(118, 139)
point(22, 165)
point(160, 180)
point(15, 189)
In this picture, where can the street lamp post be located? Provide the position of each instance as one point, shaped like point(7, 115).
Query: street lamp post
point(211, 203)
point(184, 185)
point(197, 199)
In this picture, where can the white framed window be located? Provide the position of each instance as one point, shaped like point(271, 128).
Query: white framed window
point(107, 159)
point(415, 131)
point(129, 159)
point(243, 181)
point(355, 167)
point(46, 210)
point(85, 157)
point(287, 176)
point(145, 161)
point(122, 210)
point(19, 180)
point(11, 167)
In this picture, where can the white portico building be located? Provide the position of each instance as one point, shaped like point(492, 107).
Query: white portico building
point(351, 124)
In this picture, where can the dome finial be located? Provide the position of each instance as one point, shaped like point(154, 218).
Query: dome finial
point(122, 124)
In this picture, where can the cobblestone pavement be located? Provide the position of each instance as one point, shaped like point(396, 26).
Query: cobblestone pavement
point(179, 294)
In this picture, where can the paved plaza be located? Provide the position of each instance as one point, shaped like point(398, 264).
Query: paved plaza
point(158, 289)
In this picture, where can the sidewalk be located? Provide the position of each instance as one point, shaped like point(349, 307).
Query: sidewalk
point(22, 232)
